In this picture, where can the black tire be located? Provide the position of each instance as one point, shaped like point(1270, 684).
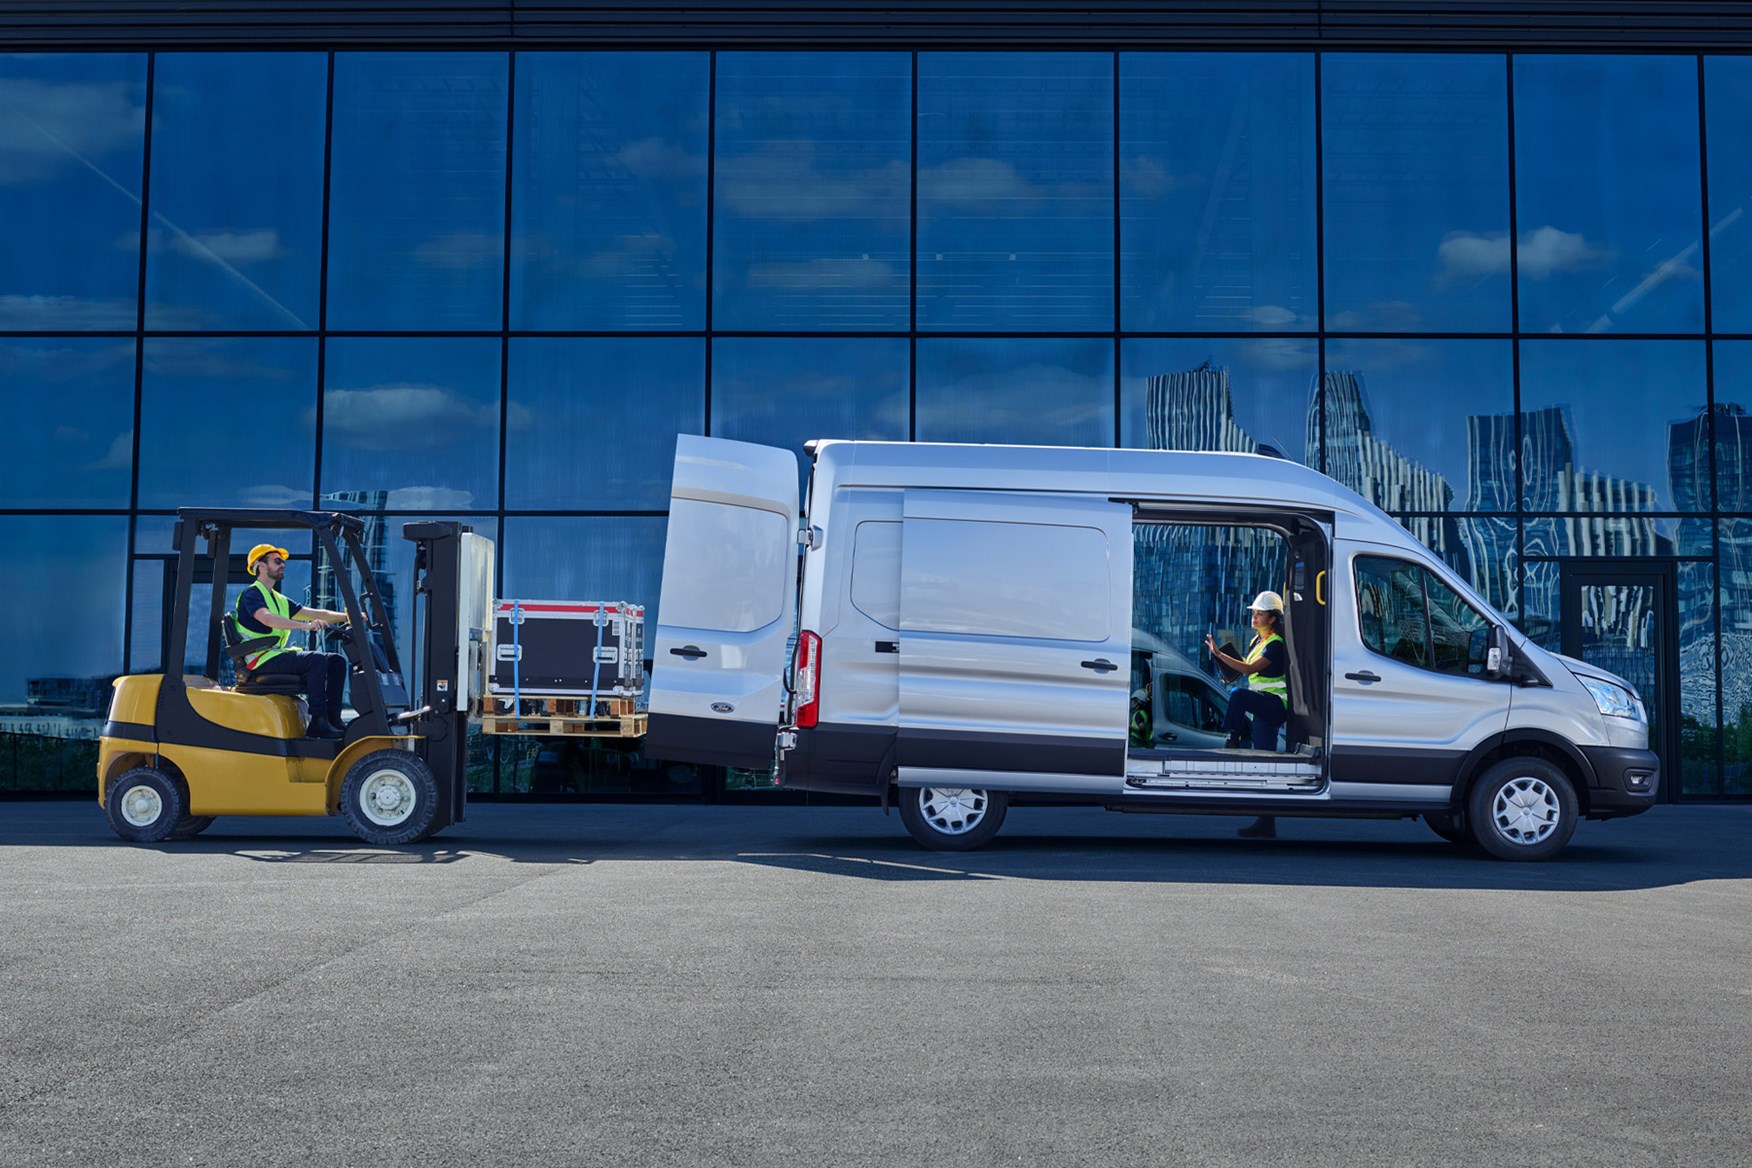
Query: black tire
point(952, 819)
point(144, 805)
point(1523, 809)
point(389, 798)
point(1450, 825)
point(190, 826)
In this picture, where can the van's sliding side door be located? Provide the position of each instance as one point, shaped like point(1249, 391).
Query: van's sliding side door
point(1015, 643)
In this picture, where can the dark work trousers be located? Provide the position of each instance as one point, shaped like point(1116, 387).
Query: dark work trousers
point(321, 675)
point(1268, 712)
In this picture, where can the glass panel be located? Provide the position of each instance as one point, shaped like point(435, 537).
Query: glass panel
point(1699, 772)
point(1416, 192)
point(1733, 426)
point(1728, 100)
point(411, 424)
point(1607, 199)
point(787, 392)
point(1489, 558)
point(1619, 635)
point(1035, 392)
point(1217, 191)
point(236, 234)
point(592, 422)
point(1409, 423)
point(57, 665)
point(1598, 428)
point(814, 191)
point(1221, 394)
point(602, 558)
point(228, 422)
point(72, 132)
point(417, 197)
point(1736, 638)
point(68, 439)
point(1015, 191)
point(608, 192)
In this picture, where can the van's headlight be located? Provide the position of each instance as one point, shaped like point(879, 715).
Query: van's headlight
point(1614, 700)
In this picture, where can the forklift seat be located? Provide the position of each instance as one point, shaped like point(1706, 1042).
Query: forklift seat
point(270, 682)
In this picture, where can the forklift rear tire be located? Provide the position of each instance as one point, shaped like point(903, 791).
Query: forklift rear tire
point(144, 805)
point(190, 826)
point(389, 797)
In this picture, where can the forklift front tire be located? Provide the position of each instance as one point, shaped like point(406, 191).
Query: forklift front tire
point(144, 805)
point(390, 798)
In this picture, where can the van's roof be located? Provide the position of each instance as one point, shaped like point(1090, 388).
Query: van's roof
point(1249, 479)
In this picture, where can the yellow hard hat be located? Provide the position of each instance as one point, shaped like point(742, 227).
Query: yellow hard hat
point(260, 550)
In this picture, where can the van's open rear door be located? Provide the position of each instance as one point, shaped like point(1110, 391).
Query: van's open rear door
point(728, 604)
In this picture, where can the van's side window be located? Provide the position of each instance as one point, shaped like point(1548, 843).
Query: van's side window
point(1407, 613)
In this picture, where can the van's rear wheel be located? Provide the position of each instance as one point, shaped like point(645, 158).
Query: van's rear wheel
point(389, 797)
point(144, 805)
point(1523, 809)
point(952, 819)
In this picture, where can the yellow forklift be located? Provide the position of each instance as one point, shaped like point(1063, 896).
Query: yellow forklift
point(179, 750)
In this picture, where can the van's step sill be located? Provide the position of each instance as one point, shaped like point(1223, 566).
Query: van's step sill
point(1247, 770)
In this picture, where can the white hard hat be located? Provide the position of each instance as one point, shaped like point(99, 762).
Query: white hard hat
point(1267, 602)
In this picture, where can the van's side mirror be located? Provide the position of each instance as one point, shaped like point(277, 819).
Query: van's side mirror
point(1496, 657)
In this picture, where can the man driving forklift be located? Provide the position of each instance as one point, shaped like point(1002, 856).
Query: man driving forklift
point(264, 612)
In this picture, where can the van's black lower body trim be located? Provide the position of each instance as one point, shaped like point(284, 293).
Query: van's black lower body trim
point(717, 741)
point(839, 757)
point(1025, 753)
point(1396, 767)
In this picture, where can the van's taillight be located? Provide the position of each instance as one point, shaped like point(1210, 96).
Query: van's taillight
point(807, 675)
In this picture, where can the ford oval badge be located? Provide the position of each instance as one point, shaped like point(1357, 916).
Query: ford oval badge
point(723, 708)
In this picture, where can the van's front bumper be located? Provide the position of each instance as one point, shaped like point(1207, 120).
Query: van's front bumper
point(1626, 780)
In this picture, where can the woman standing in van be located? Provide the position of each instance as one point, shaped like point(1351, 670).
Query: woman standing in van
point(1259, 710)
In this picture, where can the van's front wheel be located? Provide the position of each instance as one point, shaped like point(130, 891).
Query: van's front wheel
point(1523, 809)
point(952, 819)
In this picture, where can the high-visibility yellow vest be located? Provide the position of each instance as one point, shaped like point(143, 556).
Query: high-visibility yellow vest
point(1279, 686)
point(280, 607)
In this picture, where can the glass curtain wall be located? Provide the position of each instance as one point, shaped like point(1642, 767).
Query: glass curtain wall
point(1507, 297)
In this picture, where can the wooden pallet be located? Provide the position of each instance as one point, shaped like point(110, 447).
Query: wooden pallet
point(564, 717)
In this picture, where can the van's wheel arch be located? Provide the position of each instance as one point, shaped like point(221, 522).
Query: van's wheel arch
point(1450, 825)
point(144, 804)
point(389, 798)
point(1523, 808)
point(952, 819)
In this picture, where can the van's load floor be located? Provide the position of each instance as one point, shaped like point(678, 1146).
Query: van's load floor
point(1241, 769)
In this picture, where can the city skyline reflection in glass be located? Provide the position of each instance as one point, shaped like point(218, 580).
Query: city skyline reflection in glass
point(1613, 426)
point(72, 139)
point(68, 440)
point(813, 191)
point(1607, 197)
point(1728, 98)
point(1038, 392)
point(1220, 393)
point(235, 240)
point(1217, 190)
point(228, 422)
point(1422, 425)
point(608, 191)
point(411, 424)
point(1416, 172)
point(601, 557)
point(591, 421)
point(1015, 191)
point(1733, 427)
point(417, 191)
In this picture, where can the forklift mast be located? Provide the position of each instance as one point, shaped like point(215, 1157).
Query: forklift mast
point(451, 565)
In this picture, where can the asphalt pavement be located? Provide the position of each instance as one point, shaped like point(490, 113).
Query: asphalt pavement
point(715, 985)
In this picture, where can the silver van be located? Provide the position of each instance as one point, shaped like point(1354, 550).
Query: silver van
point(948, 627)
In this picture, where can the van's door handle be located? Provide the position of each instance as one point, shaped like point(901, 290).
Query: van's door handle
point(888, 646)
point(1100, 665)
point(691, 652)
point(1365, 676)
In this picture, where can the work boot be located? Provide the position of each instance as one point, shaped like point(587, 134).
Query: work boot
point(1265, 827)
point(323, 728)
